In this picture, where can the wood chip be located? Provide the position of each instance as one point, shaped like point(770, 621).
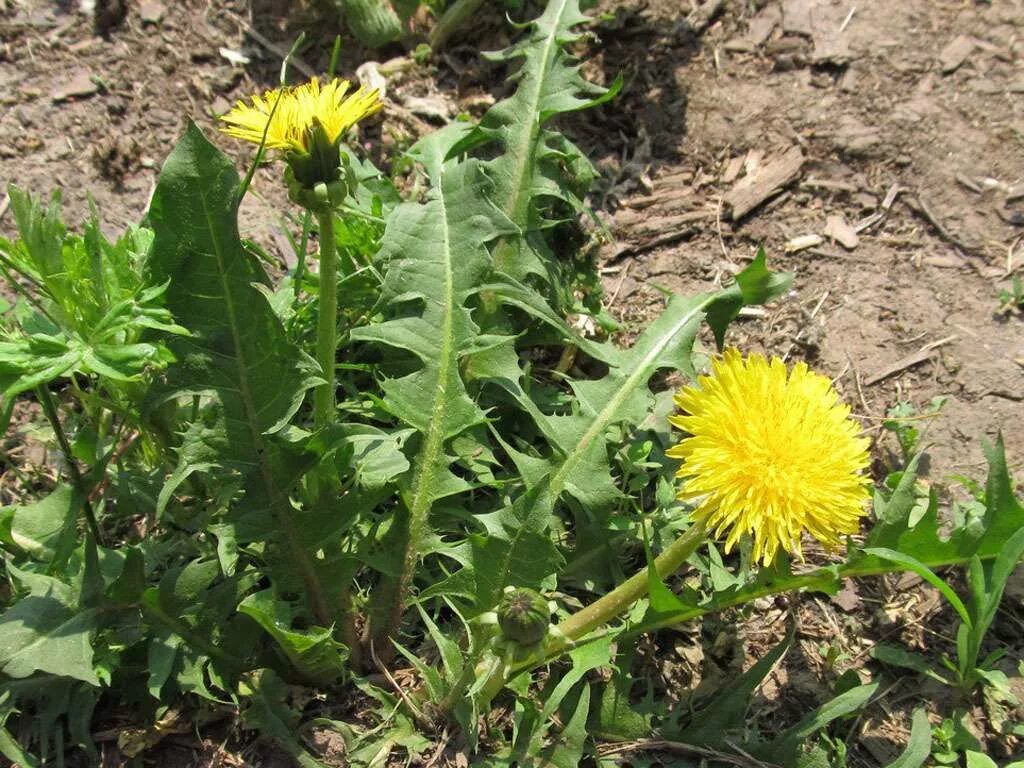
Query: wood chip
point(899, 366)
point(732, 170)
point(640, 232)
point(944, 262)
point(804, 242)
point(925, 353)
point(752, 161)
point(763, 24)
point(879, 215)
point(796, 17)
point(837, 229)
point(754, 189)
point(956, 53)
point(966, 181)
point(80, 86)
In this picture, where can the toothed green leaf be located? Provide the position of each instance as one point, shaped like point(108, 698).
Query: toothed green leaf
point(532, 169)
point(435, 256)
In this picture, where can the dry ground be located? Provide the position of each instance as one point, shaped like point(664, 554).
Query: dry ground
point(886, 138)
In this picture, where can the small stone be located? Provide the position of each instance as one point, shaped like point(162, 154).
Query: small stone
point(867, 202)
point(117, 106)
point(803, 242)
point(739, 45)
point(847, 598)
point(848, 81)
point(430, 107)
point(854, 138)
point(151, 12)
point(763, 24)
point(80, 86)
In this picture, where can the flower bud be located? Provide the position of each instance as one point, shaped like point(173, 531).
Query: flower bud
point(524, 616)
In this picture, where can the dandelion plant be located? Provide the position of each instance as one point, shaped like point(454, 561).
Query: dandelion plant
point(409, 482)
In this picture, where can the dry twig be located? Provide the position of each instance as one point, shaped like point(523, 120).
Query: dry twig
point(919, 206)
point(923, 354)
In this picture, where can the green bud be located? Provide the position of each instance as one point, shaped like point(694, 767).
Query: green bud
point(524, 616)
point(320, 178)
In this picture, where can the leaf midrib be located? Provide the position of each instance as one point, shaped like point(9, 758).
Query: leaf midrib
point(604, 417)
point(515, 204)
point(435, 434)
point(557, 482)
point(239, 358)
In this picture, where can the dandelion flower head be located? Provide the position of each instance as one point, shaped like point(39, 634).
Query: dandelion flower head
point(771, 453)
point(298, 111)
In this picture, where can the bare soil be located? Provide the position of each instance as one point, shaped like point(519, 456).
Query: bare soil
point(885, 138)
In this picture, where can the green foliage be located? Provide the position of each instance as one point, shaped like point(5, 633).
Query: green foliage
point(215, 549)
point(919, 746)
point(902, 421)
point(90, 305)
point(540, 177)
point(1011, 300)
point(986, 581)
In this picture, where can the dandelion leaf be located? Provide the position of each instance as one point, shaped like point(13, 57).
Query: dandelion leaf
point(313, 651)
point(538, 165)
point(922, 539)
point(48, 631)
point(578, 464)
point(237, 359)
point(435, 256)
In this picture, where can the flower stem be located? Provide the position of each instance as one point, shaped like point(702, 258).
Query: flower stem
point(604, 609)
point(617, 601)
point(50, 409)
point(327, 324)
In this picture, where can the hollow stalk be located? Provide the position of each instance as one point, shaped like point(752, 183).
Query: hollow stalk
point(604, 609)
point(327, 322)
point(618, 601)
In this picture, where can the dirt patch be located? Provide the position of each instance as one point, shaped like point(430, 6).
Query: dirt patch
point(868, 96)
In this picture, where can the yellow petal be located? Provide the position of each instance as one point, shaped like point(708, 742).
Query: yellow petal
point(773, 452)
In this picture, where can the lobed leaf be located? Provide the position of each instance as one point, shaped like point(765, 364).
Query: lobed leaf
point(532, 167)
point(313, 651)
point(435, 255)
point(514, 551)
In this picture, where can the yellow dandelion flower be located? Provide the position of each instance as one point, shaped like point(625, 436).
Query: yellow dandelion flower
point(770, 453)
point(299, 110)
